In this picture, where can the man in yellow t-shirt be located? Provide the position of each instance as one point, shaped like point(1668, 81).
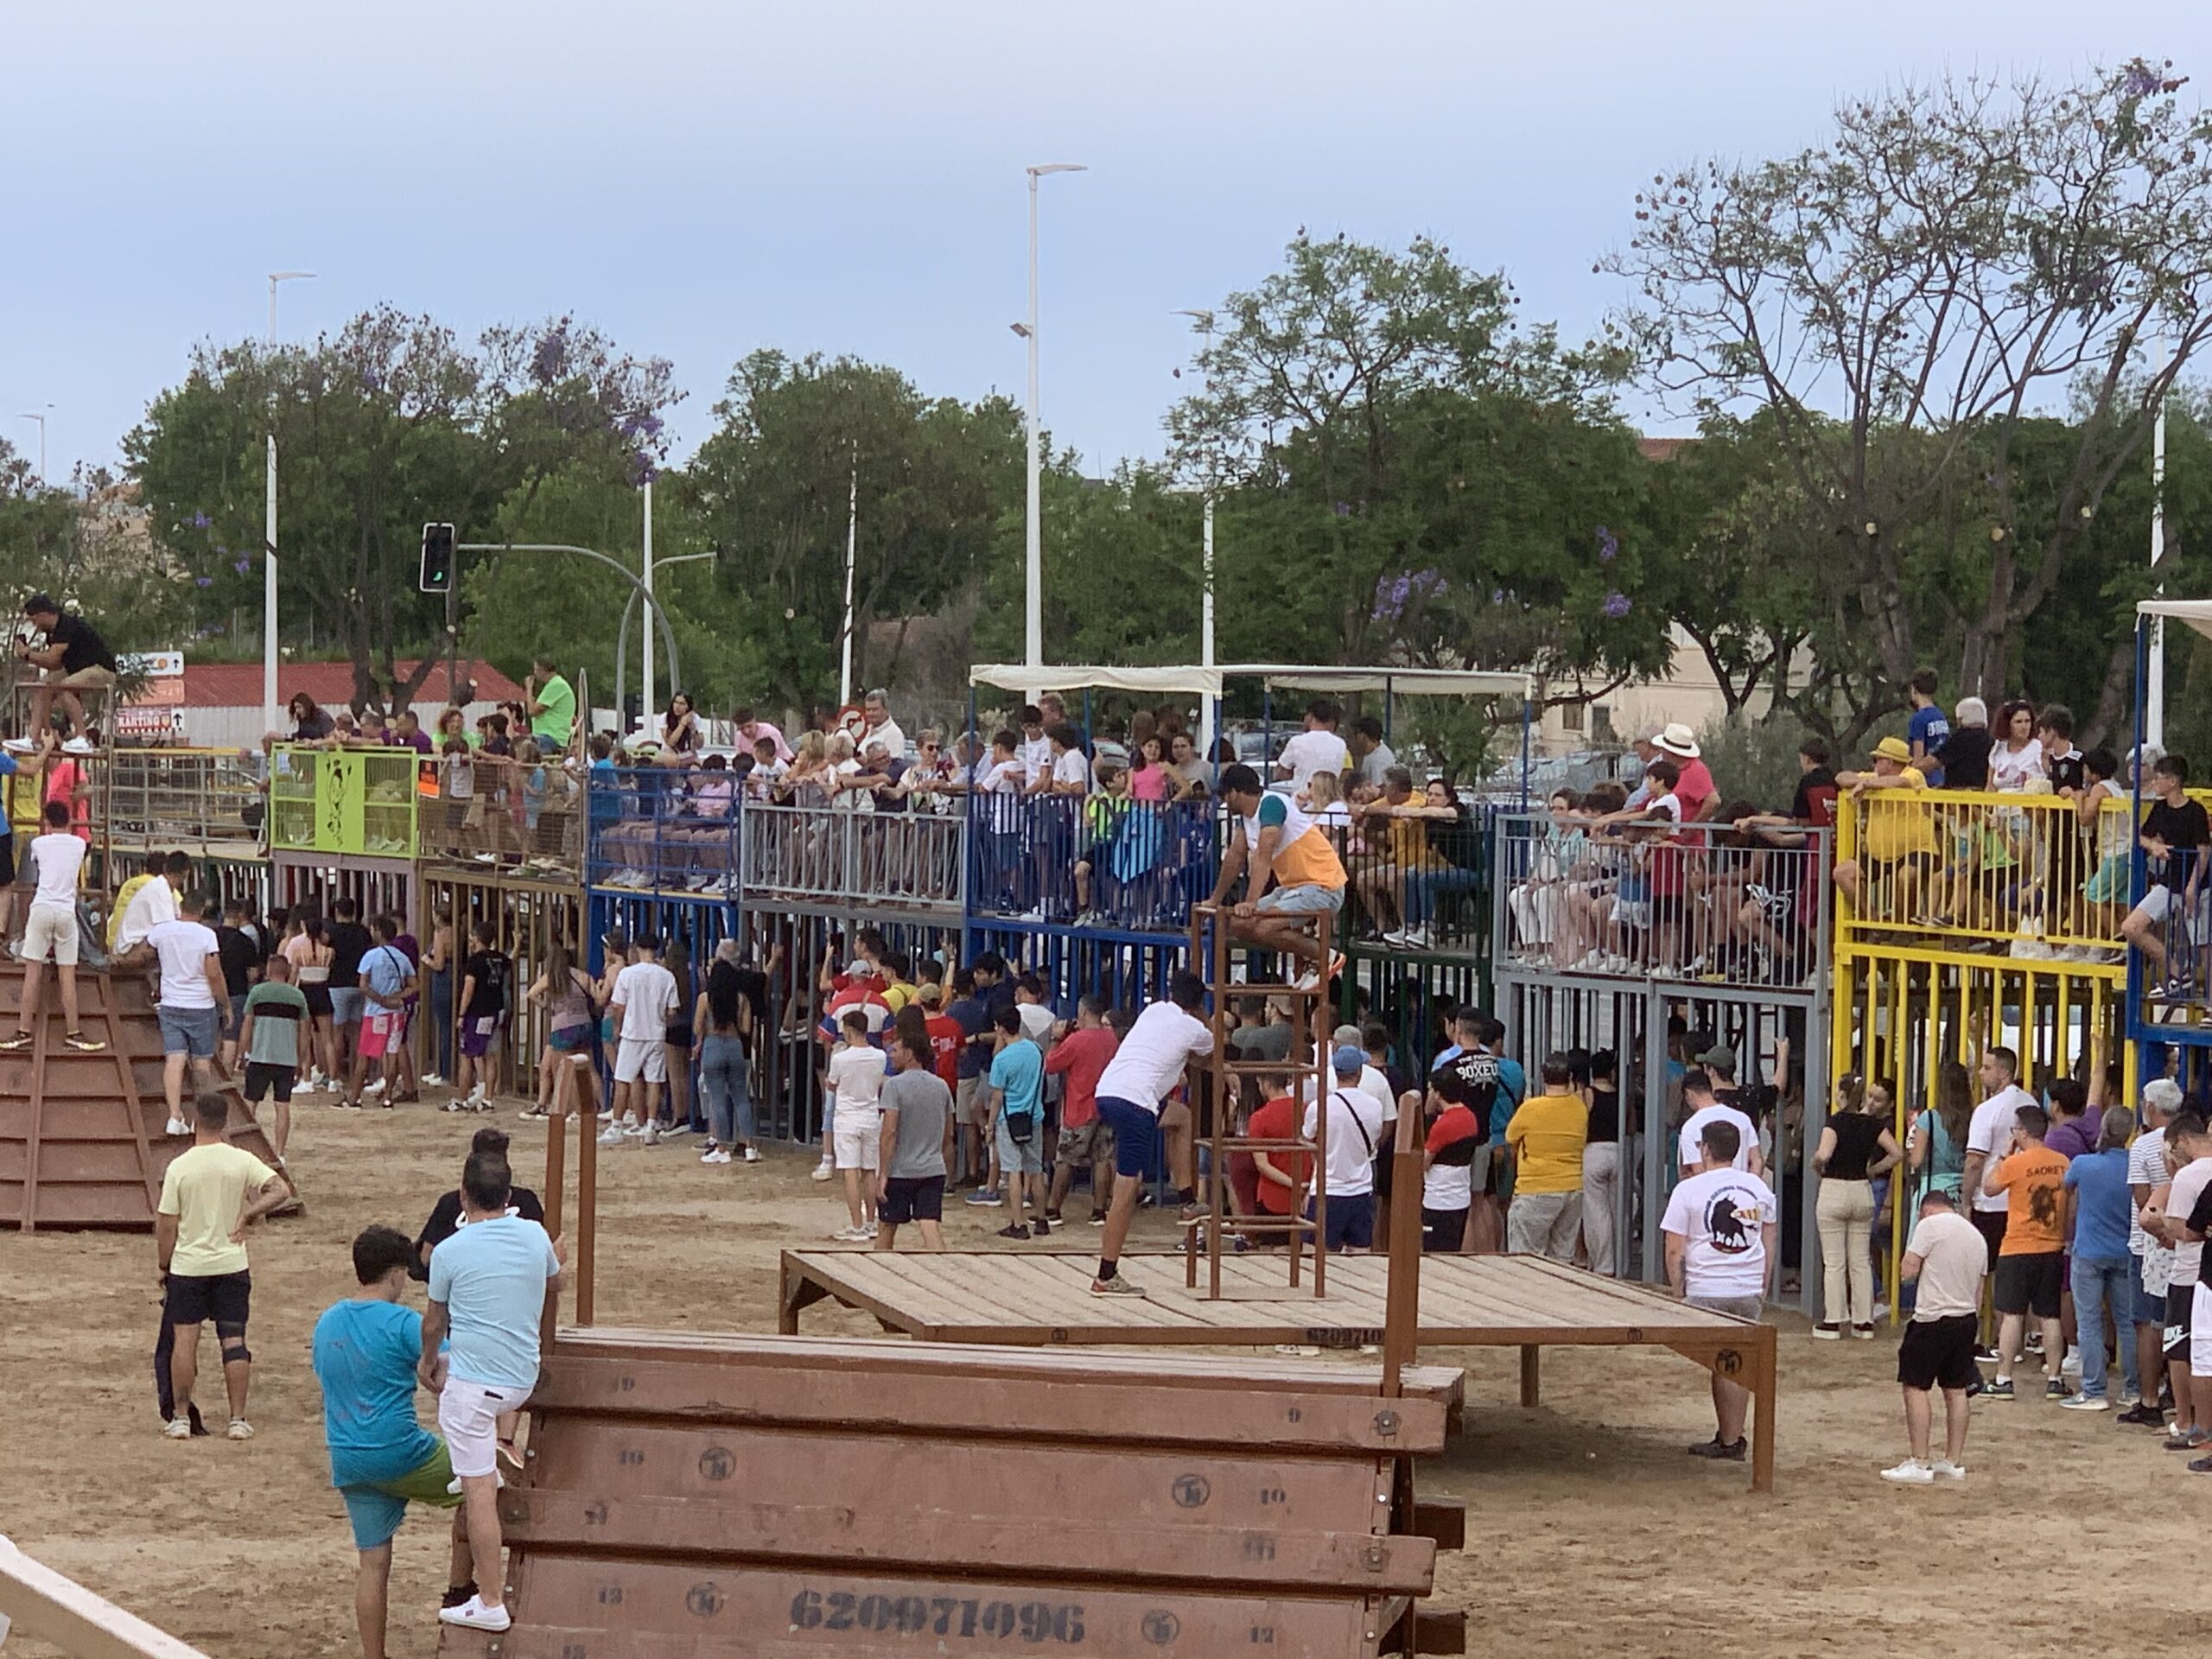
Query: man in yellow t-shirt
point(210, 1195)
point(1900, 844)
point(1546, 1136)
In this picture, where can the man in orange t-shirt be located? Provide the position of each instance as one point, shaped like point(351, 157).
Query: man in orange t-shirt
point(2032, 1180)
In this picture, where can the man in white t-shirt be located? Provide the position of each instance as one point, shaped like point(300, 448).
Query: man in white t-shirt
point(1719, 1230)
point(1318, 748)
point(1145, 1070)
point(194, 1003)
point(151, 905)
point(1348, 1172)
point(2153, 1258)
point(1989, 1137)
point(645, 1001)
point(856, 1078)
point(1946, 1256)
point(1704, 1110)
point(50, 933)
point(2182, 1222)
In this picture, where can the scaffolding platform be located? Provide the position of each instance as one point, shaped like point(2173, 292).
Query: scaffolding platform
point(1032, 1299)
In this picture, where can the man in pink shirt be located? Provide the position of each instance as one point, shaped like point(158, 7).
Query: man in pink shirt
point(751, 731)
point(1693, 789)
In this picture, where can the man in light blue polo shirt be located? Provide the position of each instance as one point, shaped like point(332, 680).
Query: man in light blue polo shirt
point(487, 1293)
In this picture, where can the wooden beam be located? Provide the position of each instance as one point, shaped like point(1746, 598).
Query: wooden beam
point(48, 1607)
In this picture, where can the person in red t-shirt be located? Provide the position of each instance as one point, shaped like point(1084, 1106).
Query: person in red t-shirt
point(1455, 1135)
point(1280, 1178)
point(1080, 1055)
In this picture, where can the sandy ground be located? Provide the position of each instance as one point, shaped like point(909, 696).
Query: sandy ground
point(1591, 1532)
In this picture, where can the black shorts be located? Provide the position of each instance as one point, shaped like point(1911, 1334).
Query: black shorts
point(2030, 1284)
point(7, 858)
point(911, 1197)
point(261, 1078)
point(1442, 1231)
point(2180, 1299)
point(1939, 1353)
point(677, 1036)
point(1990, 1224)
point(318, 998)
point(223, 1298)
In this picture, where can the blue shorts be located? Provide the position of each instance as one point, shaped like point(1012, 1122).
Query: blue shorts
point(345, 1004)
point(1136, 1135)
point(187, 1030)
point(1351, 1221)
point(376, 1508)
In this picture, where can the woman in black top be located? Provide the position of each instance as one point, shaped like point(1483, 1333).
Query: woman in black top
point(1856, 1145)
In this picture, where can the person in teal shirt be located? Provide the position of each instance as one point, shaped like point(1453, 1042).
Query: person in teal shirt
point(550, 702)
point(366, 1351)
point(1017, 1082)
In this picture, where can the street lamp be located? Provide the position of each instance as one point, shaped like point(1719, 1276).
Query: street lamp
point(271, 710)
point(29, 415)
point(1203, 322)
point(1032, 604)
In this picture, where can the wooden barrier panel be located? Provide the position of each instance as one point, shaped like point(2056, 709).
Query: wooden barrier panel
point(708, 1496)
point(45, 1606)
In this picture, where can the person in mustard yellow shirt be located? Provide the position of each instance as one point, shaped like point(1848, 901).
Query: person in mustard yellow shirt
point(2031, 1178)
point(1898, 849)
point(1546, 1135)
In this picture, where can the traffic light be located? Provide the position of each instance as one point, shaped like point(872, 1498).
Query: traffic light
point(437, 559)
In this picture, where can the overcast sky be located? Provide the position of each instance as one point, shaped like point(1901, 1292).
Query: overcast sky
point(703, 178)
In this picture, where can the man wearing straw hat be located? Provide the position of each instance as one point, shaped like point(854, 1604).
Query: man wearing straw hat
point(1900, 838)
point(1693, 786)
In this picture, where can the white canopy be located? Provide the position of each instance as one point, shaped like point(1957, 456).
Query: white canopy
point(2195, 613)
point(1207, 682)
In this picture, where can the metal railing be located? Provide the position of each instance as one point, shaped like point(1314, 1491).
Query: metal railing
point(179, 797)
point(1418, 879)
point(1096, 861)
point(825, 852)
point(2175, 899)
point(664, 829)
point(1703, 903)
point(2032, 873)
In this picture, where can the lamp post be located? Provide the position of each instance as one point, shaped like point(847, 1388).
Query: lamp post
point(32, 414)
point(1033, 600)
point(271, 711)
point(2154, 693)
point(1203, 322)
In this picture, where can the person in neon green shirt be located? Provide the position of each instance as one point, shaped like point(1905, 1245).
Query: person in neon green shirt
point(550, 702)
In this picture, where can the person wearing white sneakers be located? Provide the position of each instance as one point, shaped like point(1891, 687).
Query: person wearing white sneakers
point(194, 1004)
point(485, 978)
point(1282, 845)
point(856, 1072)
point(644, 1002)
point(1947, 1255)
point(487, 1293)
point(211, 1193)
point(50, 933)
point(74, 658)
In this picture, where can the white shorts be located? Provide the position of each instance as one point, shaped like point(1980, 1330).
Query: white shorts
point(2161, 901)
point(640, 1057)
point(468, 1416)
point(857, 1137)
point(50, 935)
point(2200, 1332)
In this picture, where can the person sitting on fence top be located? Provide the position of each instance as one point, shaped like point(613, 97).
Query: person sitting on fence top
point(73, 659)
point(1318, 748)
point(1372, 758)
point(1280, 844)
point(1812, 805)
point(1926, 729)
point(1694, 787)
point(2175, 833)
point(1900, 836)
point(549, 703)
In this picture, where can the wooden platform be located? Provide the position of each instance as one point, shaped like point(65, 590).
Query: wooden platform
point(1037, 1299)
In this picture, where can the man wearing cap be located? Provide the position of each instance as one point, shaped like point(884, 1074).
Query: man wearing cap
point(73, 658)
point(1355, 1132)
point(1899, 839)
point(1693, 788)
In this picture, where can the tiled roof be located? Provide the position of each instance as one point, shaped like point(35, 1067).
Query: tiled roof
point(238, 686)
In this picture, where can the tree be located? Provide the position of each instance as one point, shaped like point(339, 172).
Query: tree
point(773, 487)
point(1906, 300)
point(388, 424)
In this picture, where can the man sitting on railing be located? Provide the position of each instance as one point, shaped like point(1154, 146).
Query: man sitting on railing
point(1280, 843)
point(1900, 844)
point(2175, 833)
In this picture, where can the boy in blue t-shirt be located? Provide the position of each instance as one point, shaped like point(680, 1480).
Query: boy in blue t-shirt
point(367, 1351)
point(1017, 1081)
point(1928, 730)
